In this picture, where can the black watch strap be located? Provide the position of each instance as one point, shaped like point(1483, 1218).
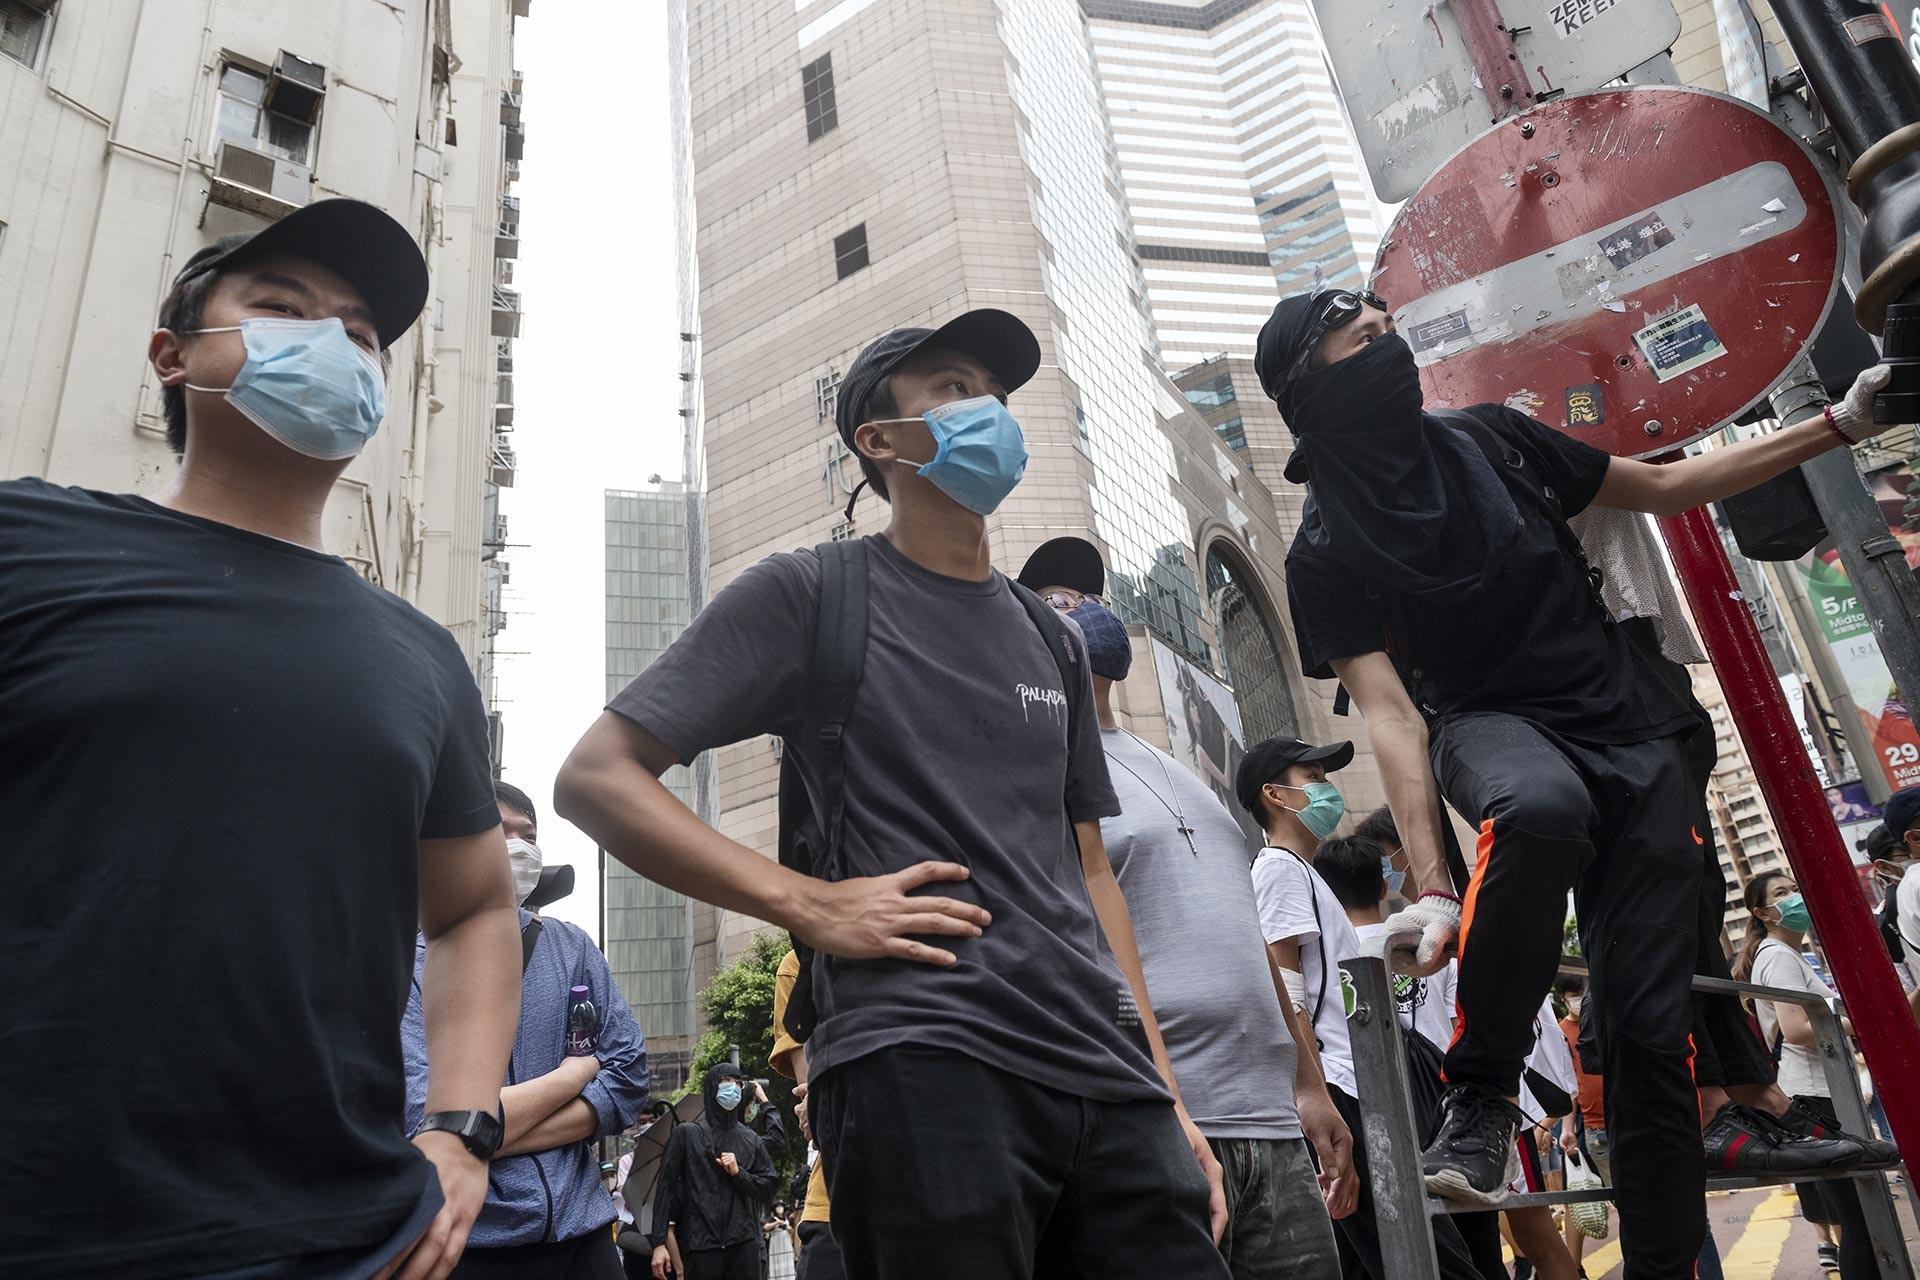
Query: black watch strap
point(480, 1131)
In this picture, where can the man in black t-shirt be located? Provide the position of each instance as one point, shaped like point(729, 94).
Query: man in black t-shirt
point(1434, 574)
point(987, 1081)
point(236, 776)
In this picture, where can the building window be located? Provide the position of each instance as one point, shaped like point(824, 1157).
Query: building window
point(850, 251)
point(1249, 650)
point(22, 28)
point(1215, 394)
point(241, 117)
point(816, 87)
point(1232, 433)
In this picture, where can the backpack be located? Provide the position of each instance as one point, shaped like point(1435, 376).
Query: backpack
point(810, 832)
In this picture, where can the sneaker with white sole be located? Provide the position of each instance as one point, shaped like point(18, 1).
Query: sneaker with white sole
point(1473, 1157)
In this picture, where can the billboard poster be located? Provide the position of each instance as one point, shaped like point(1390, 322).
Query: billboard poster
point(1203, 729)
point(1844, 625)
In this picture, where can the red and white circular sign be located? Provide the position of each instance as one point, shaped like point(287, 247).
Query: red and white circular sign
point(1635, 267)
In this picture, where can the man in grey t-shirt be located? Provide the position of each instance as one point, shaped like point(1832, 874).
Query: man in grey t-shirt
point(986, 1077)
point(1181, 860)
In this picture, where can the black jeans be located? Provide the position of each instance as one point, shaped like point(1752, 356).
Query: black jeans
point(819, 1255)
point(943, 1168)
point(592, 1256)
point(735, 1262)
point(1358, 1234)
point(1612, 823)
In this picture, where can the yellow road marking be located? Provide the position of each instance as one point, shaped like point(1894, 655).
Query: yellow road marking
point(1756, 1254)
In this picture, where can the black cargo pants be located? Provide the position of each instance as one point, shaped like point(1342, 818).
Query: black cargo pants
point(1613, 823)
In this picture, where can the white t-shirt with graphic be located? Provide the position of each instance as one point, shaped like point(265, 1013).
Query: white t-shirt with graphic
point(1426, 1005)
point(1779, 965)
point(1296, 903)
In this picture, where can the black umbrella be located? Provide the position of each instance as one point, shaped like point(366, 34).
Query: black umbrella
point(650, 1148)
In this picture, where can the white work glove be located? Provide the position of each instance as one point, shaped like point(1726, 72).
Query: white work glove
point(1852, 419)
point(1417, 940)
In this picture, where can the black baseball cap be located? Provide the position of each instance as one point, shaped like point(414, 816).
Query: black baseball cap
point(1268, 760)
point(1066, 562)
point(358, 242)
point(1901, 812)
point(998, 339)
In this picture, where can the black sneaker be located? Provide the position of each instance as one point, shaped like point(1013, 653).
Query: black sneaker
point(1522, 1269)
point(1802, 1123)
point(1473, 1157)
point(1742, 1140)
point(1829, 1257)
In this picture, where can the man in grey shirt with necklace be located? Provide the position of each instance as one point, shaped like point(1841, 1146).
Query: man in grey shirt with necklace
point(1230, 1030)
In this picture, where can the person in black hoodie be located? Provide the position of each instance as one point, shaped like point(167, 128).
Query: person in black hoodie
point(714, 1178)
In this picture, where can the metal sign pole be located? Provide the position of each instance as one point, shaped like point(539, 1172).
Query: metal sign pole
point(1820, 863)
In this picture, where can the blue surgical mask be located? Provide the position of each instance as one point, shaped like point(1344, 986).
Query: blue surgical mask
point(979, 455)
point(1109, 650)
point(308, 385)
point(1324, 808)
point(728, 1094)
point(1394, 878)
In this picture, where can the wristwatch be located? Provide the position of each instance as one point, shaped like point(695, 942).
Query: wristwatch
point(480, 1131)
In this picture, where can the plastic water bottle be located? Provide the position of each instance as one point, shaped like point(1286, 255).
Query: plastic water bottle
point(582, 1023)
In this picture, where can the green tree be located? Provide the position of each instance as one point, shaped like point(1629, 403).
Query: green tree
point(739, 1008)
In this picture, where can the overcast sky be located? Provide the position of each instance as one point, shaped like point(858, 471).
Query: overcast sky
point(595, 373)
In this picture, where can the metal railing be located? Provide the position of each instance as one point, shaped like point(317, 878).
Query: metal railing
point(1403, 1208)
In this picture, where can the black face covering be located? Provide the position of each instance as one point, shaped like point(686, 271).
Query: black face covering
point(1395, 492)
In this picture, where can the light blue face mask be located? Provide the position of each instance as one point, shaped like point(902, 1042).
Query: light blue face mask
point(980, 454)
point(1324, 809)
point(307, 384)
point(1394, 878)
point(728, 1095)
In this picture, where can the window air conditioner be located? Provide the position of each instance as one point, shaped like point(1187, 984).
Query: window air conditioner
point(296, 88)
point(258, 182)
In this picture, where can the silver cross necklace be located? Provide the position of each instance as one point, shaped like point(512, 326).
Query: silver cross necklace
point(1178, 817)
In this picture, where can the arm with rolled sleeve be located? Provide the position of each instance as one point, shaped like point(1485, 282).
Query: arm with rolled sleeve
point(613, 1098)
point(619, 1092)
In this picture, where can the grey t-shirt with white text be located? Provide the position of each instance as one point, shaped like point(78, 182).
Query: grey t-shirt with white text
point(957, 749)
point(1198, 931)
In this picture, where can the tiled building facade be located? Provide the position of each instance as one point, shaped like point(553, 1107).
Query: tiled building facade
point(1243, 180)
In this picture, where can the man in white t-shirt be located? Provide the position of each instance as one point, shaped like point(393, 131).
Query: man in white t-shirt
point(1283, 784)
point(1355, 870)
point(1901, 814)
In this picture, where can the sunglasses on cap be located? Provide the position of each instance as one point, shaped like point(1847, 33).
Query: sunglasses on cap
point(1066, 599)
point(1342, 306)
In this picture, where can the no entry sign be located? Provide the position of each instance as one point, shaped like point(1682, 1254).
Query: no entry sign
point(1636, 267)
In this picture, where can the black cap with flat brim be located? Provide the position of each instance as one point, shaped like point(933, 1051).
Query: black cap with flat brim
point(358, 242)
point(1268, 760)
point(998, 339)
point(1068, 562)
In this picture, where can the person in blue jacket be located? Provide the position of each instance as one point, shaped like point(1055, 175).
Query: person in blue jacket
point(547, 1213)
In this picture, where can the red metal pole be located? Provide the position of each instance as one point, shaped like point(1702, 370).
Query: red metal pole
point(1495, 60)
point(1861, 966)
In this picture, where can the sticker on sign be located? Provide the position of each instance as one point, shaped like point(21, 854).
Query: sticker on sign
point(1679, 343)
point(1409, 84)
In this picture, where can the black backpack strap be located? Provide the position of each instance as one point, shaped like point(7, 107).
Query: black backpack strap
point(529, 938)
point(810, 833)
point(1066, 654)
point(839, 658)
